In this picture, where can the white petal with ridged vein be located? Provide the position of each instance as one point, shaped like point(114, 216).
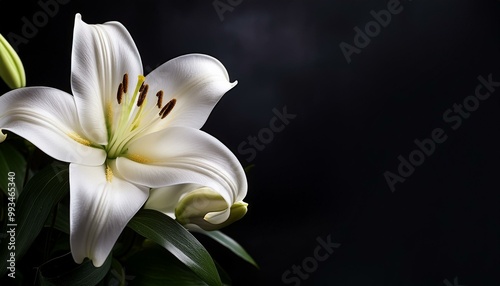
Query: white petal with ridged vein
point(101, 55)
point(195, 81)
point(180, 155)
point(203, 202)
point(166, 199)
point(47, 118)
point(99, 211)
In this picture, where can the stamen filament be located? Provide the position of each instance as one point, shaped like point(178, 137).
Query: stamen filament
point(122, 126)
point(135, 116)
point(138, 88)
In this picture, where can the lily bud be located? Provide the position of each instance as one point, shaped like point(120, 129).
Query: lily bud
point(11, 67)
point(208, 210)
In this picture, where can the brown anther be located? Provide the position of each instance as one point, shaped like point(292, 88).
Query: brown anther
point(167, 108)
point(125, 83)
point(142, 95)
point(142, 87)
point(159, 94)
point(119, 93)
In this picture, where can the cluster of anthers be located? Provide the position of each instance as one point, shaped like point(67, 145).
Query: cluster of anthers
point(143, 92)
point(132, 114)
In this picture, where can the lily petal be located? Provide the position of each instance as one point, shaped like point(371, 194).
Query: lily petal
point(47, 118)
point(191, 205)
point(101, 55)
point(196, 82)
point(101, 205)
point(181, 155)
point(165, 199)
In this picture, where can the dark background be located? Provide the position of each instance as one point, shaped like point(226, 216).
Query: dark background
point(323, 175)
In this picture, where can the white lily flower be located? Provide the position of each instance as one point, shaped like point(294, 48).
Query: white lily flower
point(124, 133)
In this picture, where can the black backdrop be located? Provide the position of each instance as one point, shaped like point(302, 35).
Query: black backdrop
point(321, 178)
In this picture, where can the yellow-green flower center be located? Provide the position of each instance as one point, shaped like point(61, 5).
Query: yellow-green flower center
point(135, 115)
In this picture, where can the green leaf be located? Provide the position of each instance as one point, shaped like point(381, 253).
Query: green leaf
point(168, 233)
point(61, 221)
point(231, 244)
point(116, 275)
point(11, 161)
point(156, 266)
point(226, 280)
point(64, 271)
point(33, 207)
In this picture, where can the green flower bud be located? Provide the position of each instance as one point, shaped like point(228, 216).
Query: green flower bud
point(207, 209)
point(11, 67)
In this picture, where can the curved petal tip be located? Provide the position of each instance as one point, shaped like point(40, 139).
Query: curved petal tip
point(207, 209)
point(2, 136)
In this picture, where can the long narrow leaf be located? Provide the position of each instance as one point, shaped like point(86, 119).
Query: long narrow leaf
point(155, 266)
point(11, 162)
point(33, 207)
point(168, 233)
point(64, 271)
point(61, 221)
point(231, 244)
